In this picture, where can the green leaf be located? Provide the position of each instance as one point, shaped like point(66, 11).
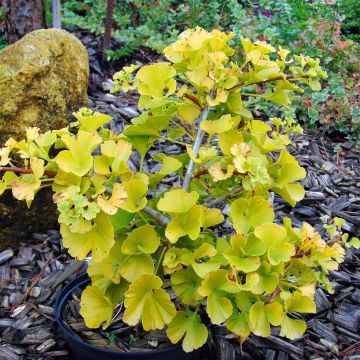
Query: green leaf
point(153, 79)
point(95, 308)
point(91, 121)
point(169, 165)
point(146, 301)
point(300, 303)
point(221, 125)
point(78, 159)
point(188, 223)
point(99, 240)
point(188, 112)
point(247, 214)
point(215, 286)
point(237, 258)
point(262, 315)
point(136, 191)
point(121, 219)
point(143, 239)
point(185, 283)
point(238, 323)
point(188, 324)
point(136, 265)
point(292, 328)
point(258, 321)
point(177, 201)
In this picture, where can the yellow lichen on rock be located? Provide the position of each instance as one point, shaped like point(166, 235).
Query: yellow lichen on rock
point(43, 78)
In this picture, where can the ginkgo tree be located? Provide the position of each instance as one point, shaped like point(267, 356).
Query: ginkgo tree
point(139, 237)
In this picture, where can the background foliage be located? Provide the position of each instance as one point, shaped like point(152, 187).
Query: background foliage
point(327, 29)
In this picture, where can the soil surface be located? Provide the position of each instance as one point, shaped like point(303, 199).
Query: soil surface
point(33, 273)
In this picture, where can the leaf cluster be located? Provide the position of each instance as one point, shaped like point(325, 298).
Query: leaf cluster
point(143, 240)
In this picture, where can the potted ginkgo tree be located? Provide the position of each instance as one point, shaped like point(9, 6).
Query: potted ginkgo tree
point(206, 251)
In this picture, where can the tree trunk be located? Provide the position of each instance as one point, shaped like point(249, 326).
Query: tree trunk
point(22, 17)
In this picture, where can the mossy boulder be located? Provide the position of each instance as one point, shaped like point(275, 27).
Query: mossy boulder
point(43, 79)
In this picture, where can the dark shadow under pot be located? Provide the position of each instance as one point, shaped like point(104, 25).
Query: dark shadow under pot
point(85, 351)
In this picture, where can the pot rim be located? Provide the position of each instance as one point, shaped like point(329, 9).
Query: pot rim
point(60, 303)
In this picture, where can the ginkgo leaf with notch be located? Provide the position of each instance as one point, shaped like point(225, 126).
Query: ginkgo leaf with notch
point(177, 201)
point(99, 240)
point(188, 223)
point(275, 239)
point(221, 125)
point(111, 205)
point(26, 186)
point(262, 315)
point(247, 214)
point(146, 301)
point(237, 258)
point(95, 307)
point(215, 287)
point(185, 284)
point(136, 196)
point(155, 79)
point(77, 159)
point(187, 325)
point(142, 239)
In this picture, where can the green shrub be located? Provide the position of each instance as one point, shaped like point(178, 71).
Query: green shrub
point(253, 273)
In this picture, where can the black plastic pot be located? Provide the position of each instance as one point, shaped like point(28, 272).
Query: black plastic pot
point(86, 351)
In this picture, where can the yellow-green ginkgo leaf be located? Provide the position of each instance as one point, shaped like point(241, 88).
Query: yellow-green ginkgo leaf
point(236, 257)
point(146, 301)
point(99, 240)
point(169, 165)
point(275, 239)
point(109, 267)
point(91, 121)
point(292, 193)
point(247, 214)
point(175, 256)
point(292, 328)
point(188, 223)
point(135, 265)
point(155, 78)
point(221, 125)
point(143, 239)
point(98, 278)
point(221, 97)
point(177, 201)
point(26, 186)
point(188, 112)
point(238, 323)
point(190, 325)
point(289, 173)
point(185, 283)
point(77, 159)
point(136, 191)
point(218, 174)
point(215, 286)
point(95, 308)
point(262, 315)
point(64, 180)
point(211, 217)
point(270, 234)
point(111, 205)
point(299, 303)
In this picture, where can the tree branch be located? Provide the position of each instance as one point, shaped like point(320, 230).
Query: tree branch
point(287, 77)
point(162, 219)
point(197, 143)
point(50, 174)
